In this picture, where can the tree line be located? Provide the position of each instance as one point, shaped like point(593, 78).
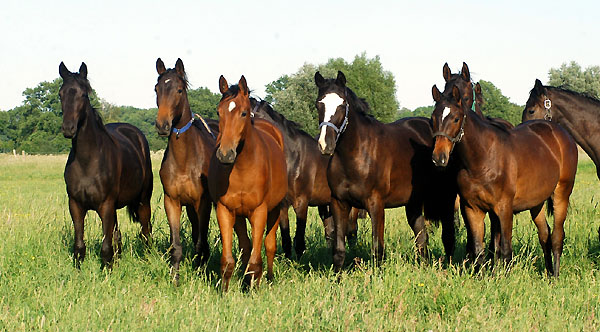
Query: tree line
point(35, 125)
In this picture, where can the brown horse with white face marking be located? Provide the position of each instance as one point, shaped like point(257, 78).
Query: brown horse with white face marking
point(247, 178)
point(108, 167)
point(184, 168)
point(378, 165)
point(506, 171)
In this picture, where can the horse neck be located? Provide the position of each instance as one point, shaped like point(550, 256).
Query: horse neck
point(186, 114)
point(89, 136)
point(350, 138)
point(473, 147)
point(577, 115)
point(180, 147)
point(246, 156)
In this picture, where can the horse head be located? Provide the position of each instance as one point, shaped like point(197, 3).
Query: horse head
point(234, 119)
point(74, 98)
point(332, 105)
point(448, 120)
point(538, 105)
point(171, 96)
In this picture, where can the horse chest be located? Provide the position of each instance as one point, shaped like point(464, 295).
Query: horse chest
point(89, 190)
point(181, 185)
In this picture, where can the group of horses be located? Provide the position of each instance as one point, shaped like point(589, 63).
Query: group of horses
point(254, 163)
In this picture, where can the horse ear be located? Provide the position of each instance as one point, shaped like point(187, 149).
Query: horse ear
point(223, 86)
point(465, 72)
point(179, 67)
point(319, 80)
point(539, 87)
point(435, 92)
point(63, 71)
point(341, 79)
point(160, 66)
point(456, 94)
point(243, 85)
point(478, 88)
point(83, 70)
point(446, 72)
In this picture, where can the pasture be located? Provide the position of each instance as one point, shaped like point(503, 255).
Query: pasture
point(41, 290)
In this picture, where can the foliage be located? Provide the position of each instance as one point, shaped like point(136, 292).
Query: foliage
point(497, 105)
point(294, 95)
point(204, 102)
point(41, 290)
point(573, 78)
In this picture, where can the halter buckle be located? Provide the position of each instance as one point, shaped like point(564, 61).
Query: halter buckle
point(547, 103)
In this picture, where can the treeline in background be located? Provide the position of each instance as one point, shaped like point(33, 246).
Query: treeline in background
point(34, 126)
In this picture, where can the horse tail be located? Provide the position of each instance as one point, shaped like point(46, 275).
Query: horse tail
point(132, 211)
point(550, 207)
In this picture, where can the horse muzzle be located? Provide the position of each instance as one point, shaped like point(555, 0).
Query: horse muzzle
point(163, 129)
point(68, 130)
point(226, 157)
point(440, 159)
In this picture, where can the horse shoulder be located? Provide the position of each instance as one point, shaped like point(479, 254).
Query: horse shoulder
point(269, 129)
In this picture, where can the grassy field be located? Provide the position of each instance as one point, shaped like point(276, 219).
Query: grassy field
point(41, 290)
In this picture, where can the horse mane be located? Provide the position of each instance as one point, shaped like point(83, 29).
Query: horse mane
point(289, 126)
point(184, 78)
point(583, 95)
point(360, 104)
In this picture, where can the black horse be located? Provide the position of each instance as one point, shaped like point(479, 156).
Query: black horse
point(307, 180)
point(376, 166)
point(108, 167)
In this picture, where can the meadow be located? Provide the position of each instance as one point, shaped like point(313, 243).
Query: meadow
point(41, 290)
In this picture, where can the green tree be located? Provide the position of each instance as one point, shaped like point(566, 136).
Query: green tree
point(573, 78)
point(294, 95)
point(496, 105)
point(204, 102)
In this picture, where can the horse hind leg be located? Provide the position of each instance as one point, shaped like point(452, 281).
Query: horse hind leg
point(108, 215)
point(539, 218)
point(301, 209)
point(495, 236)
point(286, 240)
point(377, 213)
point(561, 204)
point(352, 232)
point(328, 225)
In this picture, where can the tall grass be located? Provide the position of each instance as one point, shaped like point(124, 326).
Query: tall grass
point(41, 290)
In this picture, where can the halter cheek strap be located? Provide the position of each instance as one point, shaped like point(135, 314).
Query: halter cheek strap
point(547, 106)
point(341, 129)
point(458, 136)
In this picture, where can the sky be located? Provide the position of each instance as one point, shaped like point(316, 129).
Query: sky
point(510, 43)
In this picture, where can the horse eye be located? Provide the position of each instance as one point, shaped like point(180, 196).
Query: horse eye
point(531, 111)
point(243, 114)
point(456, 120)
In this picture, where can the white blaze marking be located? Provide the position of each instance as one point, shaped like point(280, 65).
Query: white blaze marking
point(167, 81)
point(445, 113)
point(331, 101)
point(231, 106)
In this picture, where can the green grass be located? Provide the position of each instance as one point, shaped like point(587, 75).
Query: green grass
point(41, 290)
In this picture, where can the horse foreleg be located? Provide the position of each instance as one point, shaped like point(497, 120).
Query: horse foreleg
point(241, 229)
point(352, 231)
point(474, 221)
point(539, 218)
point(301, 210)
point(416, 221)
point(78, 216)
point(144, 212)
point(271, 241)
point(377, 213)
point(495, 236)
point(173, 210)
point(286, 240)
point(328, 225)
point(226, 221)
point(505, 215)
point(258, 221)
point(340, 211)
point(108, 215)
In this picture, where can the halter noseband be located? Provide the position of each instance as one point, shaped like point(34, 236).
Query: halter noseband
point(458, 136)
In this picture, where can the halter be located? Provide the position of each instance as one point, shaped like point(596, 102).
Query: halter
point(458, 136)
point(547, 106)
point(183, 129)
point(338, 131)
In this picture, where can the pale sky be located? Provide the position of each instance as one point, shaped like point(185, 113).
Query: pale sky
point(510, 43)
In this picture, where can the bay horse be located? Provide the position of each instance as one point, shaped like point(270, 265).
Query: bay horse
point(375, 166)
point(108, 167)
point(471, 94)
point(247, 178)
point(307, 180)
point(184, 167)
point(500, 173)
point(575, 112)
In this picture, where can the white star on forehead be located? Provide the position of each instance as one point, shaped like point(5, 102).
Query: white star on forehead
point(231, 106)
point(445, 113)
point(167, 81)
point(331, 102)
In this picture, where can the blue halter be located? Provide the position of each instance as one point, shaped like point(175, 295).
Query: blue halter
point(183, 129)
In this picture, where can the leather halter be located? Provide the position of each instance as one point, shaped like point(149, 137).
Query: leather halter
point(338, 131)
point(458, 136)
point(547, 106)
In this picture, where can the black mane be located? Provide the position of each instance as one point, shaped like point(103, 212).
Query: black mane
point(583, 95)
point(359, 104)
point(291, 127)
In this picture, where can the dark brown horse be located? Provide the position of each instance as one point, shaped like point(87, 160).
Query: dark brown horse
point(376, 166)
point(465, 86)
point(184, 168)
point(247, 178)
point(307, 180)
point(575, 112)
point(506, 171)
point(108, 167)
